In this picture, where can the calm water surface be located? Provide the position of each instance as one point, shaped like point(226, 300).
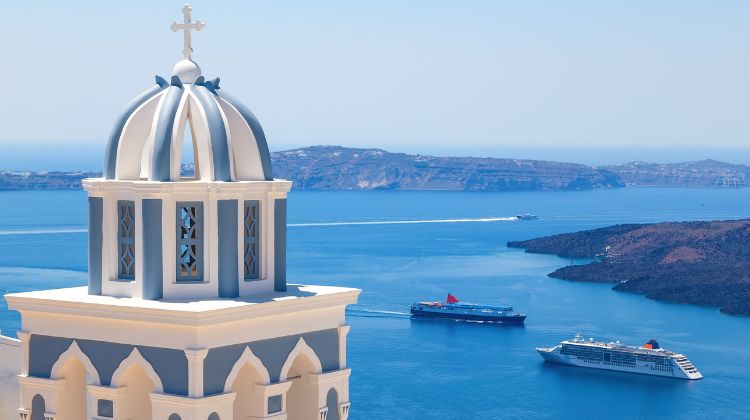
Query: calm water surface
point(405, 369)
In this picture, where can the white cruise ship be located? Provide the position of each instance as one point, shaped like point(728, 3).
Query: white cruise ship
point(649, 359)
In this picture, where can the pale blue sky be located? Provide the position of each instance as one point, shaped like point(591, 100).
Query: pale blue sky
point(588, 81)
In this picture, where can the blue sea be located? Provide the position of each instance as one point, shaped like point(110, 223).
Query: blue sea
point(404, 369)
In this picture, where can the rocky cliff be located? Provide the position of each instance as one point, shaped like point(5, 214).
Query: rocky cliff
point(330, 167)
point(341, 168)
point(42, 180)
point(704, 263)
point(704, 173)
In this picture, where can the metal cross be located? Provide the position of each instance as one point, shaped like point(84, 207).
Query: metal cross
point(187, 26)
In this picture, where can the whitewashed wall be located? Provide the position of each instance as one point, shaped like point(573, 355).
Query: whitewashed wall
point(10, 366)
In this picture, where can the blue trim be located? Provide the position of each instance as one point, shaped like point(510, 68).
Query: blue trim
point(126, 240)
point(176, 81)
point(161, 81)
point(218, 132)
point(161, 159)
point(212, 85)
point(194, 242)
point(332, 402)
point(275, 404)
point(279, 245)
point(272, 352)
point(251, 255)
point(260, 137)
point(153, 269)
point(110, 156)
point(229, 286)
point(105, 408)
point(38, 408)
point(170, 364)
point(96, 212)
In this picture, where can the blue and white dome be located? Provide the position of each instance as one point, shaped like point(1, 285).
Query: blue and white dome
point(146, 142)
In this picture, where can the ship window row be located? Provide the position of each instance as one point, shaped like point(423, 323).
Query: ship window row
point(582, 349)
point(651, 358)
point(624, 357)
point(627, 365)
point(582, 352)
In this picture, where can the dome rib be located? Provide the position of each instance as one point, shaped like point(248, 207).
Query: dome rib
point(161, 159)
point(110, 156)
point(260, 137)
point(229, 141)
point(219, 142)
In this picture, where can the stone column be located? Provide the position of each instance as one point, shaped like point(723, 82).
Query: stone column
point(343, 330)
point(195, 359)
point(24, 337)
point(344, 410)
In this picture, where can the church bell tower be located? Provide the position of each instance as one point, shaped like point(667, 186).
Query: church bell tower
point(187, 314)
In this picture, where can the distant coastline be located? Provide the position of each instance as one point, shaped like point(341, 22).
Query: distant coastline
point(342, 168)
point(702, 263)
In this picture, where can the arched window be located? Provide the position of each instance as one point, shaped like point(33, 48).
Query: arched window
point(37, 407)
point(251, 259)
point(125, 240)
point(214, 416)
point(190, 241)
point(174, 416)
point(332, 402)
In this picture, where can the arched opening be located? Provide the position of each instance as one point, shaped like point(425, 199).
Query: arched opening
point(136, 402)
point(214, 416)
point(188, 161)
point(332, 402)
point(37, 407)
point(248, 402)
point(72, 400)
point(302, 397)
point(174, 416)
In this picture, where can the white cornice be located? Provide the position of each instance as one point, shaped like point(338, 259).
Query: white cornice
point(99, 185)
point(76, 302)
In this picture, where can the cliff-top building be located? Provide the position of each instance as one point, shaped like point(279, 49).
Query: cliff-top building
point(187, 314)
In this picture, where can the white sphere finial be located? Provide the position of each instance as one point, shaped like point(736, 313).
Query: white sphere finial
point(187, 70)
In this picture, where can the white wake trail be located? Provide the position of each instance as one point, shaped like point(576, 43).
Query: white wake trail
point(406, 222)
point(41, 231)
point(316, 224)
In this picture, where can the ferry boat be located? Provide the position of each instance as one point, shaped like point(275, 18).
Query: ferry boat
point(649, 359)
point(452, 308)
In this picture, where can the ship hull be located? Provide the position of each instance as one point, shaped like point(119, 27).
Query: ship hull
point(555, 357)
point(497, 319)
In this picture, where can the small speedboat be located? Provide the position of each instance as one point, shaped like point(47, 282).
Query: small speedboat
point(527, 216)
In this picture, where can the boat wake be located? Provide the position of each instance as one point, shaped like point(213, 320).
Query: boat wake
point(375, 313)
point(314, 224)
point(407, 222)
point(42, 231)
